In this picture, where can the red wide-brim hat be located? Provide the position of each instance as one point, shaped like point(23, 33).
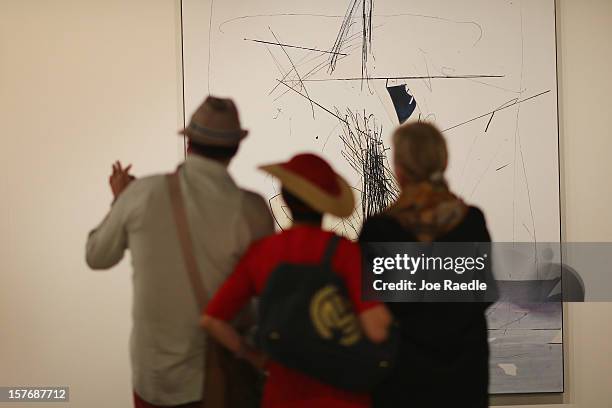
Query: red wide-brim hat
point(312, 179)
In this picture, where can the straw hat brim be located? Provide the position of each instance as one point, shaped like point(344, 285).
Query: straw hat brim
point(341, 205)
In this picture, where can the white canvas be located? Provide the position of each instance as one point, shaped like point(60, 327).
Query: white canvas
point(486, 76)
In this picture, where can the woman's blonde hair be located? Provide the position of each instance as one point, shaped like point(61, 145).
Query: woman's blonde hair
point(420, 153)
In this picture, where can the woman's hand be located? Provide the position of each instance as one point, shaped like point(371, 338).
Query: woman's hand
point(375, 323)
point(227, 335)
point(258, 359)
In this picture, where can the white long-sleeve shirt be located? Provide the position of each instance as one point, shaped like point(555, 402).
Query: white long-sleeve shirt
point(167, 343)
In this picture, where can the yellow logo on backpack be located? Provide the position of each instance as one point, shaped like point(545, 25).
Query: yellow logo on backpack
point(331, 314)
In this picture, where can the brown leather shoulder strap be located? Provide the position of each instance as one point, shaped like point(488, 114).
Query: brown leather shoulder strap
point(184, 236)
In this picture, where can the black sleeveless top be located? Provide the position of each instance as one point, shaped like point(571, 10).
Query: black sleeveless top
point(444, 352)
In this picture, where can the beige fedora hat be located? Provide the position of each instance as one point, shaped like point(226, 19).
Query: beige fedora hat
point(215, 122)
point(312, 179)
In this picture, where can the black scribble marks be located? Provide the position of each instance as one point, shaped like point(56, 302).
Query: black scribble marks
point(246, 17)
point(365, 152)
point(328, 136)
point(502, 167)
point(322, 64)
point(516, 131)
point(493, 158)
point(509, 103)
point(513, 356)
point(286, 211)
point(518, 102)
point(210, 20)
point(502, 106)
point(300, 62)
point(430, 118)
point(428, 81)
point(271, 206)
point(279, 67)
point(344, 31)
point(468, 159)
point(390, 78)
point(295, 69)
point(517, 138)
point(477, 26)
point(314, 102)
point(293, 46)
point(445, 70)
point(489, 122)
point(512, 322)
point(528, 231)
point(288, 77)
point(351, 225)
point(366, 25)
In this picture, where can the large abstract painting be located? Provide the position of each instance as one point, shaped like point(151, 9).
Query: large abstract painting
point(336, 77)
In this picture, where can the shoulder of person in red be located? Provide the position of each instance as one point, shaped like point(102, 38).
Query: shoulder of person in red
point(301, 245)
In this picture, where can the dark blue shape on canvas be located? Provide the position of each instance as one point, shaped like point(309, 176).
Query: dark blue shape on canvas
point(404, 103)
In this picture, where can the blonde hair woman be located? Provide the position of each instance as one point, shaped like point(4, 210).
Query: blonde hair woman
point(444, 352)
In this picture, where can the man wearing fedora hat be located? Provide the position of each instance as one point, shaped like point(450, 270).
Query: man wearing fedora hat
point(166, 344)
point(310, 188)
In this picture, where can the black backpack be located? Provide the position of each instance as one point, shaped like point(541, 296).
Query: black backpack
point(307, 323)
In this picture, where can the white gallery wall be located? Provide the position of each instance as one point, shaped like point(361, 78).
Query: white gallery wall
point(83, 83)
point(584, 30)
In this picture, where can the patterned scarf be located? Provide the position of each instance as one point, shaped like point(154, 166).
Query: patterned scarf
point(427, 212)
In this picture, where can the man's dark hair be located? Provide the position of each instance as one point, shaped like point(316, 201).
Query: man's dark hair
point(300, 211)
point(221, 153)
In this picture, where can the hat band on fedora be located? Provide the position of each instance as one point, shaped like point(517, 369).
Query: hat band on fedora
point(216, 134)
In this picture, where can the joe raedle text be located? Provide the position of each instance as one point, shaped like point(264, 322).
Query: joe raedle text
point(446, 285)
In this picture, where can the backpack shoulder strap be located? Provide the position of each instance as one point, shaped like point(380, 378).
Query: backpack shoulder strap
point(184, 237)
point(330, 250)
